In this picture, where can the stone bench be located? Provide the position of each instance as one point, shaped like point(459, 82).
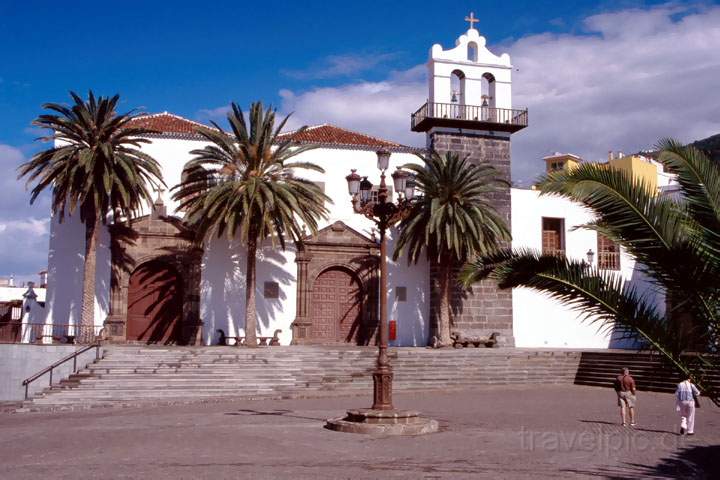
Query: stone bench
point(262, 341)
point(475, 338)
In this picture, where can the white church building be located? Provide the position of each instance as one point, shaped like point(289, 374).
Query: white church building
point(154, 286)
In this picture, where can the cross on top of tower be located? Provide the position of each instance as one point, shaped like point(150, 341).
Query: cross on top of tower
point(159, 190)
point(472, 20)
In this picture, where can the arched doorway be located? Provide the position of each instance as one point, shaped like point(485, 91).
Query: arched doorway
point(336, 307)
point(154, 304)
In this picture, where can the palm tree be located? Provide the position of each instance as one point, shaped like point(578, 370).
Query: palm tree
point(451, 220)
point(95, 167)
point(244, 185)
point(676, 240)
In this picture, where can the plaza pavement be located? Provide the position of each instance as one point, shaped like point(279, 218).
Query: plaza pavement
point(498, 432)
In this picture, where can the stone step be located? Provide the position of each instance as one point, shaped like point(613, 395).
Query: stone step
point(132, 374)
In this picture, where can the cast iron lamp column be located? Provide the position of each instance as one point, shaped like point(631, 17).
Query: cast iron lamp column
point(382, 418)
point(384, 213)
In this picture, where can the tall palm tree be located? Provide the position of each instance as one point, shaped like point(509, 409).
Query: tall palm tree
point(675, 239)
point(95, 167)
point(451, 220)
point(244, 185)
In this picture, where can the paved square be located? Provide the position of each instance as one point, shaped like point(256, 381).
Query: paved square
point(499, 432)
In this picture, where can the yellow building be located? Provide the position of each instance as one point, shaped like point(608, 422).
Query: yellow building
point(638, 167)
point(561, 161)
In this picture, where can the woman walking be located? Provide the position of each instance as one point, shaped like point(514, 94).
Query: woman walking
point(685, 397)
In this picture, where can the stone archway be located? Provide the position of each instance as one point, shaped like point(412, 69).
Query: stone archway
point(159, 243)
point(337, 304)
point(337, 261)
point(155, 294)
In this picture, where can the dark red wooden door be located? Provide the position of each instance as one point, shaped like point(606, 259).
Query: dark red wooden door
point(154, 304)
point(335, 307)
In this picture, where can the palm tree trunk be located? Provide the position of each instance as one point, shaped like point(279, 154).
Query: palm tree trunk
point(443, 330)
point(250, 310)
point(87, 316)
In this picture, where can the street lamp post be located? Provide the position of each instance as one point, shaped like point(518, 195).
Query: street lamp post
point(590, 255)
point(382, 416)
point(385, 213)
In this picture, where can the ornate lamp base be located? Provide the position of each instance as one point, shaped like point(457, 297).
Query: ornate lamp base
point(383, 422)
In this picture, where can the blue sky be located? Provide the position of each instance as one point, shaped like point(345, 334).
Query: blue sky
point(181, 57)
point(596, 76)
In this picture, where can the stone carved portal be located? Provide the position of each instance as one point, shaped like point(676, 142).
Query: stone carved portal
point(337, 288)
point(155, 284)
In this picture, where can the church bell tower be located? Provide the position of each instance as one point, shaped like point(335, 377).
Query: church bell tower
point(469, 111)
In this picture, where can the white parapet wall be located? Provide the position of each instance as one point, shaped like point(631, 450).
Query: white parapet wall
point(20, 361)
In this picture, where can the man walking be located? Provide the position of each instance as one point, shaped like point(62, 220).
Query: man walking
point(625, 389)
point(685, 395)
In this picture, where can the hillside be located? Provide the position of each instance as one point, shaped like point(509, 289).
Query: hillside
point(711, 145)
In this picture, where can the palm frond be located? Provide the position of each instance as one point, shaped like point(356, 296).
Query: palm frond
point(96, 166)
point(599, 296)
point(452, 214)
point(244, 184)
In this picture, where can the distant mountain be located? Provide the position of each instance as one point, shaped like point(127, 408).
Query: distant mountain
point(710, 145)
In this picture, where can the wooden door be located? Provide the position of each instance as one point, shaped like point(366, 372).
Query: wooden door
point(336, 312)
point(154, 304)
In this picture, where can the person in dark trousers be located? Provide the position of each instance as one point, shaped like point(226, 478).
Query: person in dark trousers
point(686, 396)
point(625, 389)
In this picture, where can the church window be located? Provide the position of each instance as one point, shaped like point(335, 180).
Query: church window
point(271, 290)
point(553, 236)
point(472, 52)
point(608, 253)
point(401, 294)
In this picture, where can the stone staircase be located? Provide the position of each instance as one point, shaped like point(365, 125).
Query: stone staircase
point(138, 375)
point(650, 371)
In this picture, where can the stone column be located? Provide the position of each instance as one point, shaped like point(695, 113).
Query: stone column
point(115, 322)
point(302, 322)
point(483, 306)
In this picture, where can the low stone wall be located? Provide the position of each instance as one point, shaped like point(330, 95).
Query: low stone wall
point(19, 361)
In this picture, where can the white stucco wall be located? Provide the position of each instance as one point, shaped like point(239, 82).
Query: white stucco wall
point(222, 299)
point(222, 302)
point(539, 321)
point(413, 315)
point(65, 273)
point(172, 154)
point(222, 290)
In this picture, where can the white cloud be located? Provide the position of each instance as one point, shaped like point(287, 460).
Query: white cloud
point(23, 228)
point(632, 77)
point(215, 114)
point(31, 226)
point(340, 66)
point(378, 108)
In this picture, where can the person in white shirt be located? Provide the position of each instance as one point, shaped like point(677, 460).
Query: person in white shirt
point(685, 404)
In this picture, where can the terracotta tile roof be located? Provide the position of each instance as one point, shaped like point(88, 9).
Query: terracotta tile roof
point(330, 135)
point(167, 123)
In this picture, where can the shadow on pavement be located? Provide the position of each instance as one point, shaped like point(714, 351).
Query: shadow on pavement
point(615, 424)
point(687, 462)
point(274, 413)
